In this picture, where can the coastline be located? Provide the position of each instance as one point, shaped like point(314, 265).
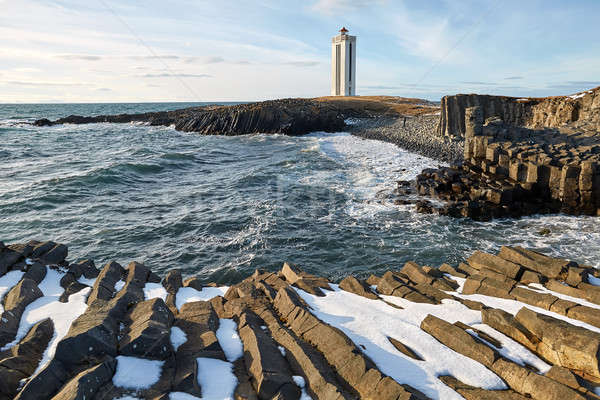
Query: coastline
point(417, 135)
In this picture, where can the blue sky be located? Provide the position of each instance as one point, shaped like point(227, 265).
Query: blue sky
point(233, 50)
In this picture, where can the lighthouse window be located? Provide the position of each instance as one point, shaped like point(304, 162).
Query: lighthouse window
point(350, 59)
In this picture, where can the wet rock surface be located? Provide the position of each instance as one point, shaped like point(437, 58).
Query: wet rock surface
point(282, 338)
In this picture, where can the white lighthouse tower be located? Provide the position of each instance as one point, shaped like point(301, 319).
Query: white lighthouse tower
point(343, 64)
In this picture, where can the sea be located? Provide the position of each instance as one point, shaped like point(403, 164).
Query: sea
point(219, 207)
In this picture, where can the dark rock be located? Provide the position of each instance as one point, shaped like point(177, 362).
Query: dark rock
point(87, 383)
point(21, 360)
point(7, 258)
point(87, 268)
point(193, 282)
point(50, 253)
point(36, 272)
point(173, 281)
point(148, 335)
point(15, 301)
point(104, 287)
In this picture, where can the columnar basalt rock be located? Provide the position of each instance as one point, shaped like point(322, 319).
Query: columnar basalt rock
point(581, 110)
point(286, 339)
point(510, 170)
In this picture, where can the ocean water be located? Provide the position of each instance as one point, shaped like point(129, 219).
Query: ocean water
point(219, 207)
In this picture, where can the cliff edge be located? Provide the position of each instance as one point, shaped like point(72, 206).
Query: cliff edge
point(581, 111)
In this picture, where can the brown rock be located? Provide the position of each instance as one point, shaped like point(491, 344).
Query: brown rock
point(20, 296)
point(404, 349)
point(268, 369)
point(505, 323)
point(481, 260)
point(373, 280)
point(542, 300)
point(561, 343)
point(448, 269)
point(459, 340)
point(474, 393)
point(359, 287)
point(551, 267)
point(104, 287)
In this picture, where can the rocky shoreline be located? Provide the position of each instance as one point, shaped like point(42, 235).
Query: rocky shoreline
point(283, 116)
point(413, 133)
point(514, 325)
point(510, 171)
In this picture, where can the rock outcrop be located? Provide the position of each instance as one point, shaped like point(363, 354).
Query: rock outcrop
point(284, 116)
point(581, 111)
point(287, 349)
point(510, 171)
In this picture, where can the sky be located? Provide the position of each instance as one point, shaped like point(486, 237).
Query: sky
point(54, 51)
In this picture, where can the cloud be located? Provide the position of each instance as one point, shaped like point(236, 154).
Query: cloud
point(574, 85)
point(164, 57)
point(104, 89)
point(513, 78)
point(302, 63)
point(331, 6)
point(50, 84)
point(205, 60)
point(176, 75)
point(479, 83)
point(82, 57)
point(583, 82)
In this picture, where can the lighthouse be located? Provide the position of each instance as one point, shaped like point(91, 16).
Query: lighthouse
point(343, 64)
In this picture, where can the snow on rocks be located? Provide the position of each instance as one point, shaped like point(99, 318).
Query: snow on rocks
point(49, 306)
point(229, 339)
point(188, 294)
point(369, 324)
point(178, 337)
point(7, 282)
point(136, 373)
point(155, 290)
point(216, 378)
point(448, 333)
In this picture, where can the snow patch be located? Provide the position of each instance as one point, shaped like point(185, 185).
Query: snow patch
point(7, 281)
point(155, 290)
point(216, 378)
point(119, 285)
point(592, 280)
point(136, 373)
point(188, 294)
point(90, 282)
point(178, 337)
point(299, 381)
point(229, 339)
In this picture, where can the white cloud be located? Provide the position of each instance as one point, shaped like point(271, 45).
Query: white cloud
point(83, 57)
